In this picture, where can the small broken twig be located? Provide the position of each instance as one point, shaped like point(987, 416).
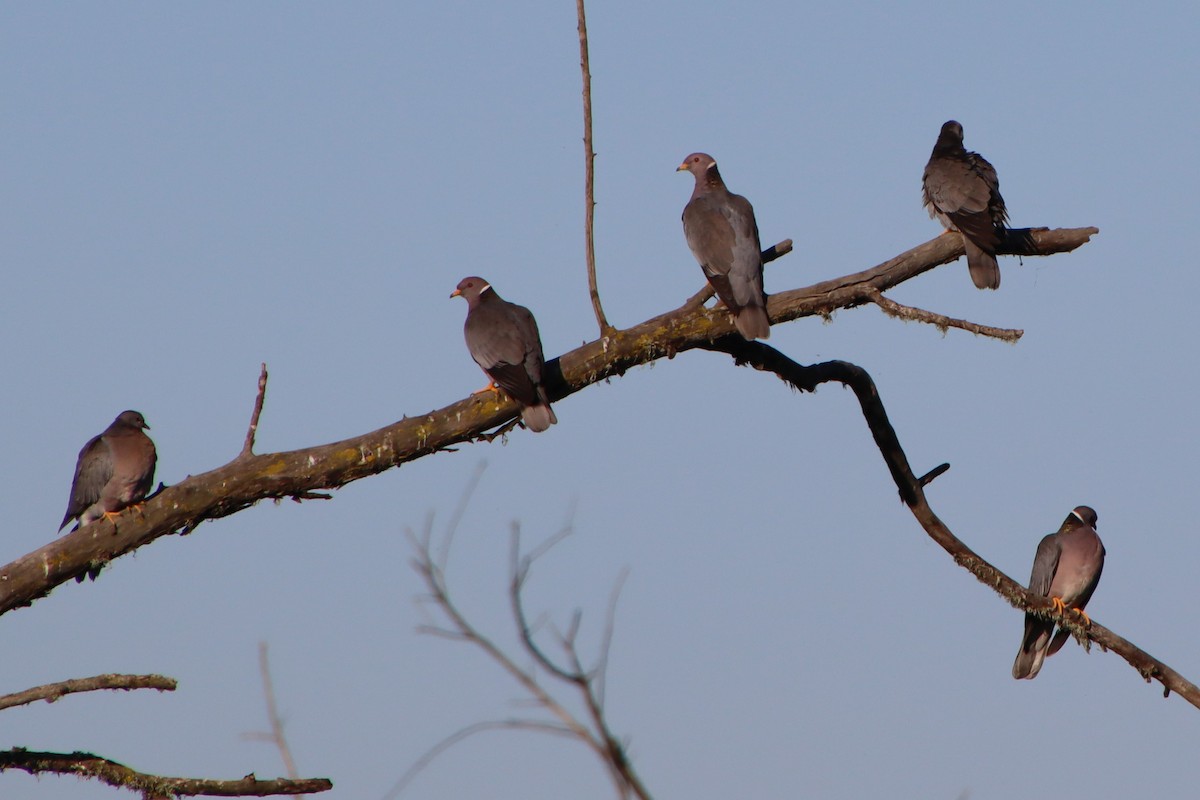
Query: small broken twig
point(248, 445)
point(940, 321)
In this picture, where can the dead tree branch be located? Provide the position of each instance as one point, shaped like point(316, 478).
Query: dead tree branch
point(276, 736)
point(807, 378)
point(589, 170)
point(248, 446)
point(479, 727)
point(152, 787)
point(53, 691)
point(595, 732)
point(250, 479)
point(942, 322)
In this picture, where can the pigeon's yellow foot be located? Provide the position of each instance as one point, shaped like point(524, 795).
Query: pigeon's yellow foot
point(1059, 606)
point(1087, 621)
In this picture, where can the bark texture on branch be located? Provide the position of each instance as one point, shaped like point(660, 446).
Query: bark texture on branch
point(53, 691)
point(250, 478)
point(86, 765)
point(912, 492)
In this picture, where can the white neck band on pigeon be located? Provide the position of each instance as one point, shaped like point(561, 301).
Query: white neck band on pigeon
point(1075, 514)
point(486, 286)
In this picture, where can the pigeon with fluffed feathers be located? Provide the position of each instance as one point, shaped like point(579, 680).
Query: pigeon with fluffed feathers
point(114, 471)
point(961, 190)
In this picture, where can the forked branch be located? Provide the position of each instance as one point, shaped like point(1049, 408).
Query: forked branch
point(249, 479)
point(593, 732)
point(807, 378)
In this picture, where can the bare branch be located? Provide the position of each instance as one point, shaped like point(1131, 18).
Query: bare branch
point(518, 572)
point(597, 736)
point(807, 378)
point(432, 574)
point(302, 496)
point(247, 480)
point(252, 431)
point(600, 671)
point(53, 691)
point(942, 322)
point(276, 735)
point(776, 251)
point(932, 475)
point(480, 727)
point(456, 518)
point(152, 787)
point(499, 433)
point(589, 171)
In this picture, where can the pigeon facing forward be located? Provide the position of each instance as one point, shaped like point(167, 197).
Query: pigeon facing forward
point(1067, 568)
point(723, 235)
point(115, 470)
point(961, 189)
point(503, 339)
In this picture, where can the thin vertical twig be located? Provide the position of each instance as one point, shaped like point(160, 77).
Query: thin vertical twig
point(248, 445)
point(589, 157)
point(276, 734)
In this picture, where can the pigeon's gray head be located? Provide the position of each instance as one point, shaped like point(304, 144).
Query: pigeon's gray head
point(132, 419)
point(698, 164)
point(951, 135)
point(470, 289)
point(1086, 515)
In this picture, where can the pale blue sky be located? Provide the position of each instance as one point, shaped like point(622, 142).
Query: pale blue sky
point(190, 190)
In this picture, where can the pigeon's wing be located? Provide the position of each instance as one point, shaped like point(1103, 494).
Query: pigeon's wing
point(746, 272)
point(527, 329)
point(498, 345)
point(1045, 564)
point(93, 471)
point(710, 234)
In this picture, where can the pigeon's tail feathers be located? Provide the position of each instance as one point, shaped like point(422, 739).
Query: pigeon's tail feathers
point(1033, 648)
point(752, 323)
point(538, 418)
point(1060, 638)
point(985, 272)
point(1028, 663)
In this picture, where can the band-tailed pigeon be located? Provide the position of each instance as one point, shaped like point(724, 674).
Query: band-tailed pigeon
point(115, 470)
point(1066, 568)
point(503, 339)
point(723, 235)
point(962, 191)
